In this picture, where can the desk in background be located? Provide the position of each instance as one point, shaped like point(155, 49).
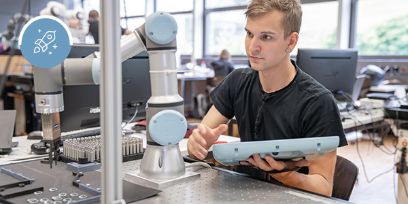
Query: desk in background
point(21, 153)
point(192, 82)
point(18, 65)
point(369, 112)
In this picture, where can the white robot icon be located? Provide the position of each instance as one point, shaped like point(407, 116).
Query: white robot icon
point(42, 44)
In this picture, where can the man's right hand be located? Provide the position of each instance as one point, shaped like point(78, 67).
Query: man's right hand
point(202, 138)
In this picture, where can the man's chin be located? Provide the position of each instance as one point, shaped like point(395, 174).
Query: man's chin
point(256, 67)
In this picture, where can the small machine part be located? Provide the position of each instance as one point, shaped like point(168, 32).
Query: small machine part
point(15, 192)
point(62, 194)
point(81, 133)
point(51, 136)
point(32, 200)
point(53, 189)
point(23, 180)
point(39, 148)
point(82, 168)
point(73, 194)
point(56, 198)
point(19, 188)
point(88, 149)
point(38, 193)
point(86, 188)
point(78, 170)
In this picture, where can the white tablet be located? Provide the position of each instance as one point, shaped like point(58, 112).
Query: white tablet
point(234, 152)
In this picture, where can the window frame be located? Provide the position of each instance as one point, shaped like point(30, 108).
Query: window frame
point(350, 37)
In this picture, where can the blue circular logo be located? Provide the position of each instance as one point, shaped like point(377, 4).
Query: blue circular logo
point(45, 41)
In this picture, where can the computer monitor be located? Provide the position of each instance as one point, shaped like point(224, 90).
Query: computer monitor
point(81, 102)
point(333, 68)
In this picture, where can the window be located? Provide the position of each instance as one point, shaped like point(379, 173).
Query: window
point(174, 5)
point(182, 11)
point(222, 33)
point(225, 3)
point(185, 33)
point(133, 23)
point(319, 25)
point(132, 13)
point(318, 30)
point(133, 7)
point(90, 4)
point(382, 27)
point(123, 23)
point(122, 9)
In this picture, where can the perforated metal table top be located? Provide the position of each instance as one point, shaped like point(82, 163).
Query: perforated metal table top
point(215, 186)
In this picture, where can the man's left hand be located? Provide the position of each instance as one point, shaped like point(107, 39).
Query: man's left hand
point(268, 163)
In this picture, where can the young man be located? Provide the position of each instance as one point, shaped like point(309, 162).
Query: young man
point(274, 99)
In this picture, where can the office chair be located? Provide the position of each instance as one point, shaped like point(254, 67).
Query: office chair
point(345, 176)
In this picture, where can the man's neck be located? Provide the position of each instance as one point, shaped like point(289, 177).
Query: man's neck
point(276, 78)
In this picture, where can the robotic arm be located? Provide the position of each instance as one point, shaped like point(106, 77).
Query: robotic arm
point(166, 122)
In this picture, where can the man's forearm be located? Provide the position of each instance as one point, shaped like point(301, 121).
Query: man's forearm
point(312, 182)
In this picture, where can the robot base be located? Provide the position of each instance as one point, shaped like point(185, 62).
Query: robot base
point(159, 184)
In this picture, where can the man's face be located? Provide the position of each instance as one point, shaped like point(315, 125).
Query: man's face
point(265, 43)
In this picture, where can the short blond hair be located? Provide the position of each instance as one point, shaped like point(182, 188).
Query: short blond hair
point(292, 10)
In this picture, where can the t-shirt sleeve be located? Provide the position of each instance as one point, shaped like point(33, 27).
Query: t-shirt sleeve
point(223, 95)
point(322, 118)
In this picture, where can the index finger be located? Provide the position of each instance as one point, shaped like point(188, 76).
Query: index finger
point(278, 165)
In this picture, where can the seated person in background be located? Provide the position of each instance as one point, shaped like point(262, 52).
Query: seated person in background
point(75, 27)
point(274, 99)
point(93, 20)
point(222, 67)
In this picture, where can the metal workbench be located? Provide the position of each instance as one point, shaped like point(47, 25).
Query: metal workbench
point(214, 186)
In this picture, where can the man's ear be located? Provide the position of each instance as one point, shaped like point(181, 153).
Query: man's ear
point(293, 39)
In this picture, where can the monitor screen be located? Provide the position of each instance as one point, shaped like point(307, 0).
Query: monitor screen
point(81, 102)
point(333, 68)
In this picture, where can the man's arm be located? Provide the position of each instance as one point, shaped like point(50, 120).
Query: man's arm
point(213, 118)
point(211, 127)
point(319, 179)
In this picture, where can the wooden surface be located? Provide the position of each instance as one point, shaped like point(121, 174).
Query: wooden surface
point(16, 65)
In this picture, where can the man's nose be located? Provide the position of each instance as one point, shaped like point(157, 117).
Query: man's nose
point(254, 46)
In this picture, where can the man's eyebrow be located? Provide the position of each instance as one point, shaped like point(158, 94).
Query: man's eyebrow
point(263, 32)
point(268, 32)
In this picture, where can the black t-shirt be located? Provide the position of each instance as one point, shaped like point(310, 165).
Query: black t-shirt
point(302, 109)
